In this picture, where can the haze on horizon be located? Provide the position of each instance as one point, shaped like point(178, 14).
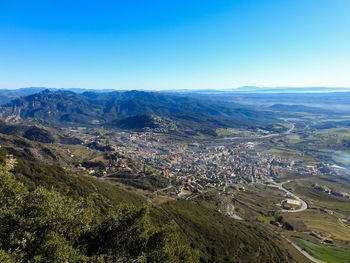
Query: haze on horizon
point(174, 44)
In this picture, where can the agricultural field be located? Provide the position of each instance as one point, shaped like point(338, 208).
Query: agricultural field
point(293, 154)
point(335, 183)
point(80, 150)
point(322, 223)
point(329, 254)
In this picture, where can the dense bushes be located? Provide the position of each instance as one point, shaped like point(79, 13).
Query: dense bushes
point(44, 225)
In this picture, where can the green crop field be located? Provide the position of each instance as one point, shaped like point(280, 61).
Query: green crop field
point(329, 254)
point(80, 150)
point(224, 132)
point(292, 154)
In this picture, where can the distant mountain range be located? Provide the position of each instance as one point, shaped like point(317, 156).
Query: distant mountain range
point(299, 108)
point(182, 112)
point(254, 89)
point(126, 110)
point(268, 90)
point(6, 95)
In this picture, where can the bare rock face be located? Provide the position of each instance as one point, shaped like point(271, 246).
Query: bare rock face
point(10, 113)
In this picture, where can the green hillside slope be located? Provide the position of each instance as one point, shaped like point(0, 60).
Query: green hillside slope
point(50, 215)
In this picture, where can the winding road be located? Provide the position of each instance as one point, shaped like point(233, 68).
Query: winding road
point(307, 255)
point(303, 205)
point(278, 134)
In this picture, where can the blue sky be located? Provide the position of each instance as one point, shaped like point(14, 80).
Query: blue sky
point(170, 44)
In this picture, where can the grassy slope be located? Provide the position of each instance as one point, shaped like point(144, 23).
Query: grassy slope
point(33, 174)
point(219, 238)
point(327, 253)
point(321, 199)
point(319, 222)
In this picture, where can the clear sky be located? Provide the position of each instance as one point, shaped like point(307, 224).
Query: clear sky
point(169, 44)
